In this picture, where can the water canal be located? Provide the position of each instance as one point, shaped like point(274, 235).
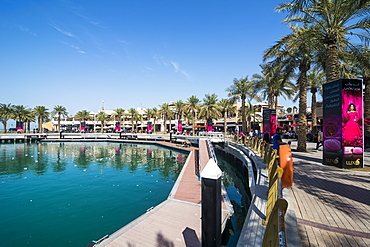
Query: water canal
point(67, 194)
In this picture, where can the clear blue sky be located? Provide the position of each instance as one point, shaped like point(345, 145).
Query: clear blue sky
point(129, 53)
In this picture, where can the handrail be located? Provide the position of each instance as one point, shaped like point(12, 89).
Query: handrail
point(275, 234)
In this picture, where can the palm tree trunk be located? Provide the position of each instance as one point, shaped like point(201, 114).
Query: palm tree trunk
point(332, 68)
point(302, 82)
point(313, 108)
point(39, 125)
point(58, 122)
point(244, 119)
point(4, 123)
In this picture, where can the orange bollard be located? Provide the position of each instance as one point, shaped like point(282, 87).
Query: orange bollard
point(286, 163)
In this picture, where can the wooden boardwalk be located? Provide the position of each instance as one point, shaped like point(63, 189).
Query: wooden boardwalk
point(332, 206)
point(176, 221)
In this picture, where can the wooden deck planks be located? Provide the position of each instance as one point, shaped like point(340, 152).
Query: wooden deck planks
point(332, 205)
point(175, 222)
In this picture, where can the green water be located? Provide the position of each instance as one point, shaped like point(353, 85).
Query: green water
point(67, 194)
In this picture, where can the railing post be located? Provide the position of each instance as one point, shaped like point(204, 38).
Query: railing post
point(211, 205)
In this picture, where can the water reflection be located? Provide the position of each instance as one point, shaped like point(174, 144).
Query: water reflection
point(16, 159)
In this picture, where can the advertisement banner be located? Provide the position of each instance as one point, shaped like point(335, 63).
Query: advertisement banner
point(83, 127)
point(343, 123)
point(269, 122)
point(149, 127)
point(209, 125)
point(118, 127)
point(179, 126)
point(19, 126)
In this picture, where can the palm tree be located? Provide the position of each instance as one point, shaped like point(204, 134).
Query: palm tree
point(118, 115)
point(179, 109)
point(59, 111)
point(226, 106)
point(192, 106)
point(132, 113)
point(138, 118)
point(293, 51)
point(166, 113)
point(315, 79)
point(332, 23)
point(241, 89)
point(102, 117)
point(42, 114)
point(6, 113)
point(82, 116)
point(20, 113)
point(28, 118)
point(152, 113)
point(210, 108)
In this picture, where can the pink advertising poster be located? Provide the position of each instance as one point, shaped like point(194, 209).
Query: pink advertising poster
point(179, 126)
point(118, 127)
point(343, 123)
point(269, 122)
point(149, 127)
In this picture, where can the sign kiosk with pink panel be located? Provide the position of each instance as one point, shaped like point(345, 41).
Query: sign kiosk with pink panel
point(343, 123)
point(269, 122)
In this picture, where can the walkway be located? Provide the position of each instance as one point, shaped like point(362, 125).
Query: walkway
point(176, 221)
point(332, 206)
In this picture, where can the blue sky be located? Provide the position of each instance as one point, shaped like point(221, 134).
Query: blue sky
point(129, 53)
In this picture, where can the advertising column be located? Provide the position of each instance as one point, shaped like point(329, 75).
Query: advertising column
point(149, 127)
point(269, 122)
point(179, 126)
point(343, 123)
point(118, 127)
point(209, 125)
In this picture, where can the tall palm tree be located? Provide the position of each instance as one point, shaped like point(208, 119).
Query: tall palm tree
point(82, 116)
point(210, 108)
point(293, 51)
point(42, 114)
point(152, 113)
point(241, 89)
point(226, 106)
point(167, 114)
point(6, 113)
point(132, 112)
point(192, 106)
point(20, 113)
point(274, 83)
point(29, 117)
point(118, 115)
point(59, 111)
point(179, 109)
point(102, 117)
point(332, 22)
point(315, 80)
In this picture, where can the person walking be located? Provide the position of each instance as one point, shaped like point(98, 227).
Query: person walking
point(319, 139)
point(276, 139)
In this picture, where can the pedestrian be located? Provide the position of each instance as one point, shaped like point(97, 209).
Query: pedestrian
point(266, 137)
point(276, 139)
point(319, 139)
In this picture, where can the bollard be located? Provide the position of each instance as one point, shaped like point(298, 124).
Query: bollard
point(211, 205)
point(61, 135)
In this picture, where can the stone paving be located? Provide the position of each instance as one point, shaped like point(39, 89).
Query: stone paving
point(332, 206)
